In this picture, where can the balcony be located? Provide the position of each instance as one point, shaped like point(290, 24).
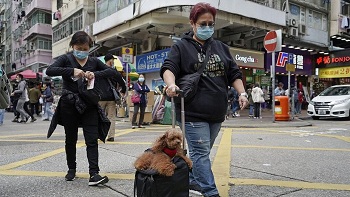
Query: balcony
point(38, 4)
point(39, 28)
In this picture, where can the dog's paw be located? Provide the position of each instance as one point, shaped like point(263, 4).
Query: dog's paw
point(169, 170)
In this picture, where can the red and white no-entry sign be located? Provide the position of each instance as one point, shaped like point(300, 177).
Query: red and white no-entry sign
point(270, 41)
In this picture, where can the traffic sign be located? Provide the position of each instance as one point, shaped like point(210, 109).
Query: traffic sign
point(270, 41)
point(290, 67)
point(127, 54)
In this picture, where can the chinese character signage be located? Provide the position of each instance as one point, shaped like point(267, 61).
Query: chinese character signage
point(151, 62)
point(302, 61)
point(337, 58)
point(337, 72)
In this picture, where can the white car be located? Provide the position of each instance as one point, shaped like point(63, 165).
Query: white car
point(332, 102)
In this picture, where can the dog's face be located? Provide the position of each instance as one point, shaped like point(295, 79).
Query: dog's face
point(173, 138)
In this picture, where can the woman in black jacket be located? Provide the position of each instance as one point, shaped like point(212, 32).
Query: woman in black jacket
point(74, 69)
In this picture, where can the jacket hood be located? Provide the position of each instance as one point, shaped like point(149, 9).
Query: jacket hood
point(189, 36)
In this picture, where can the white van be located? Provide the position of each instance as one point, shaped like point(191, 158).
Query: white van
point(332, 102)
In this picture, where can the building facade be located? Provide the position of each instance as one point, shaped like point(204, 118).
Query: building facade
point(68, 18)
point(26, 35)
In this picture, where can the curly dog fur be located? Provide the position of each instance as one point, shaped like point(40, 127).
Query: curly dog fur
point(157, 159)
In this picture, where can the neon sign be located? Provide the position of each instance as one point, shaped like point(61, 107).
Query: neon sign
point(283, 58)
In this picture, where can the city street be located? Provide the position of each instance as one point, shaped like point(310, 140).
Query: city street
point(251, 158)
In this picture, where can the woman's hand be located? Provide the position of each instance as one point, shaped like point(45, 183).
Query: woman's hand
point(78, 73)
point(89, 75)
point(171, 90)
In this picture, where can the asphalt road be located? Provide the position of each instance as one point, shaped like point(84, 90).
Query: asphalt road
point(286, 160)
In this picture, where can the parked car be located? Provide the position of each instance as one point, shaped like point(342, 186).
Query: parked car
point(332, 102)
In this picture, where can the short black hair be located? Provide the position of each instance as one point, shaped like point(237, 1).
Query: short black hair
point(108, 57)
point(48, 84)
point(20, 75)
point(80, 37)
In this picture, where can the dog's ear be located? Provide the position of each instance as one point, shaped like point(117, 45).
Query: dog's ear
point(160, 143)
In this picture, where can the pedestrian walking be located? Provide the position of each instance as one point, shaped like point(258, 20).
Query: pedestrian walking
point(258, 98)
point(73, 110)
point(22, 91)
point(206, 109)
point(107, 102)
point(2, 114)
point(25, 106)
point(235, 104)
point(34, 97)
point(250, 100)
point(47, 96)
point(141, 89)
point(300, 101)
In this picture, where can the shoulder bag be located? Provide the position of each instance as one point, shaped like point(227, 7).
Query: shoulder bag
point(189, 83)
point(115, 92)
point(136, 97)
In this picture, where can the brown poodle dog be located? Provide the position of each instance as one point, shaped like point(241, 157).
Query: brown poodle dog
point(163, 150)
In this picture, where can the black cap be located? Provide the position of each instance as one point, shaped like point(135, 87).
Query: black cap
point(108, 56)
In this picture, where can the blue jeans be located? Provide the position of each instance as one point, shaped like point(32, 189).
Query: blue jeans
point(251, 109)
point(235, 106)
point(48, 113)
point(2, 113)
point(200, 138)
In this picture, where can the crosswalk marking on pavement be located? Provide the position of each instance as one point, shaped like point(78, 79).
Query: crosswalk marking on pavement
point(221, 164)
point(291, 184)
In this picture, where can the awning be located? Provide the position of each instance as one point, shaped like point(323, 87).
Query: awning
point(117, 63)
point(27, 74)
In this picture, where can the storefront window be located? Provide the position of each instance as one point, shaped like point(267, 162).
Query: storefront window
point(68, 27)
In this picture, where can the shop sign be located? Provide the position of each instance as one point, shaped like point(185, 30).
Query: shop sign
point(258, 72)
point(336, 58)
point(249, 79)
point(265, 80)
point(336, 72)
point(284, 58)
point(151, 62)
point(247, 58)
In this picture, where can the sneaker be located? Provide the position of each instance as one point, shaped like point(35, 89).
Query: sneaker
point(195, 189)
point(111, 139)
point(141, 126)
point(33, 120)
point(46, 119)
point(70, 176)
point(133, 127)
point(27, 118)
point(15, 120)
point(97, 179)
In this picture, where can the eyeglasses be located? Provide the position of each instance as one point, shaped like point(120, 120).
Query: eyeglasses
point(204, 24)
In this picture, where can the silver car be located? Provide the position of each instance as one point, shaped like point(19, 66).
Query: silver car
point(332, 102)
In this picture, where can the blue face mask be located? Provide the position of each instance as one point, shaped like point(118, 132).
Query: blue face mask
point(141, 80)
point(81, 54)
point(204, 33)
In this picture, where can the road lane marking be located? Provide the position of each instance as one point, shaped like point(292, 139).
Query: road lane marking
point(291, 148)
point(221, 164)
point(235, 181)
point(291, 184)
point(35, 158)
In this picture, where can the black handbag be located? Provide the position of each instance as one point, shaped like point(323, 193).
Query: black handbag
point(91, 96)
point(189, 83)
point(115, 92)
point(148, 183)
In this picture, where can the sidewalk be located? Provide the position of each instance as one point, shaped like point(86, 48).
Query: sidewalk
point(243, 121)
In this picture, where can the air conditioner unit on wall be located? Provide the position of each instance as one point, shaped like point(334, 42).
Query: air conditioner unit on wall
point(292, 23)
point(302, 29)
point(147, 44)
point(293, 31)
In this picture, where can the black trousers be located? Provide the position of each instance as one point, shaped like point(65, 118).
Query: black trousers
point(71, 120)
point(257, 109)
point(142, 107)
point(36, 107)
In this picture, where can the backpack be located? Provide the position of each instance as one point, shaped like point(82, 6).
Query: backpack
point(148, 183)
point(5, 90)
